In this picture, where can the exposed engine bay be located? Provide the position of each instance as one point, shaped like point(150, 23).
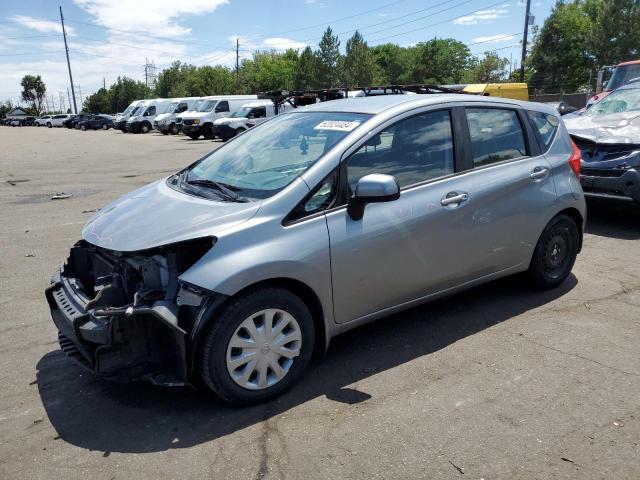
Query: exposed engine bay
point(125, 314)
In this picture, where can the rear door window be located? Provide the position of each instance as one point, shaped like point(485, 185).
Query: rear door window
point(545, 125)
point(496, 135)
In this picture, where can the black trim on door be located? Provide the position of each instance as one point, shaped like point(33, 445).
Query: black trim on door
point(461, 140)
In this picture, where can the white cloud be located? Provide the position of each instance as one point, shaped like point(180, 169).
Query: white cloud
point(157, 17)
point(494, 38)
point(482, 16)
point(279, 43)
point(40, 25)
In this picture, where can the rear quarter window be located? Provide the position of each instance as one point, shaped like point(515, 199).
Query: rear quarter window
point(545, 125)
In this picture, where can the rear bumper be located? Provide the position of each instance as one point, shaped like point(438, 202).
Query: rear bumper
point(617, 186)
point(124, 344)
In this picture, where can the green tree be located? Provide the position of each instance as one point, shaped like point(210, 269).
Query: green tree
point(561, 57)
point(33, 90)
point(441, 61)
point(305, 77)
point(125, 91)
point(393, 64)
point(359, 64)
point(491, 69)
point(5, 108)
point(327, 60)
point(616, 32)
point(99, 102)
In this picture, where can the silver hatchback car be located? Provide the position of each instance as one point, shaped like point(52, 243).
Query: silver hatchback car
point(234, 270)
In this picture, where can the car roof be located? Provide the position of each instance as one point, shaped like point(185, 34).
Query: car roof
point(632, 62)
point(379, 103)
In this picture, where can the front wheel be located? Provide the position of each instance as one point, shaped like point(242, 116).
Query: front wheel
point(145, 128)
point(208, 132)
point(258, 346)
point(194, 136)
point(105, 126)
point(555, 253)
point(49, 125)
point(174, 129)
point(83, 128)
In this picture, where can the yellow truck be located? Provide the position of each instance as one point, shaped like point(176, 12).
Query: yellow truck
point(517, 91)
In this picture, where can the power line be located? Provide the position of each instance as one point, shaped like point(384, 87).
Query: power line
point(33, 36)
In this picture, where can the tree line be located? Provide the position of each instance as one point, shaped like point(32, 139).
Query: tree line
point(578, 38)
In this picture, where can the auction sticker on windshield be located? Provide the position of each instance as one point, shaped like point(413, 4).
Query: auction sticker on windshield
point(337, 125)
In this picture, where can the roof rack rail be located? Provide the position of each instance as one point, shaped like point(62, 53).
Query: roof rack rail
point(298, 98)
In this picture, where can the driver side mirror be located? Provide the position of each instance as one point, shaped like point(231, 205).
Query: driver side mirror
point(373, 188)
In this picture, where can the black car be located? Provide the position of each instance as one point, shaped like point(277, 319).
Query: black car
point(608, 136)
point(94, 122)
point(75, 121)
point(68, 123)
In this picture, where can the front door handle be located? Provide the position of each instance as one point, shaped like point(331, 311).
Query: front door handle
point(539, 173)
point(453, 199)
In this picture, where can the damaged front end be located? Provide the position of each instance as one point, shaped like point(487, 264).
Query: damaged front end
point(610, 171)
point(126, 315)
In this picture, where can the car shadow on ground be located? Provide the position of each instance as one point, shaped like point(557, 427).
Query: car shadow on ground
point(98, 415)
point(612, 220)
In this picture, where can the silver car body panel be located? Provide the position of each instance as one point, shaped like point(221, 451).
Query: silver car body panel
point(428, 250)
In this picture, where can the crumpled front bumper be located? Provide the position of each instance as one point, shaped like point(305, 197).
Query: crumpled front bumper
point(618, 185)
point(124, 344)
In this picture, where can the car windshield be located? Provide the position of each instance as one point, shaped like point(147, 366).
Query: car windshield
point(264, 160)
point(128, 110)
point(622, 75)
point(625, 100)
point(173, 107)
point(207, 105)
point(242, 112)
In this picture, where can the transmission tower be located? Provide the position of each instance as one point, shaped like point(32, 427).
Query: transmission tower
point(150, 73)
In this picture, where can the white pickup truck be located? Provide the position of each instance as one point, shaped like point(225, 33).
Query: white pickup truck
point(247, 116)
point(195, 124)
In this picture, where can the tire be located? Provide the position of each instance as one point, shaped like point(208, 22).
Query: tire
point(194, 136)
point(144, 128)
point(174, 129)
point(239, 130)
point(83, 128)
point(165, 132)
point(105, 126)
point(208, 132)
point(555, 253)
point(49, 125)
point(228, 325)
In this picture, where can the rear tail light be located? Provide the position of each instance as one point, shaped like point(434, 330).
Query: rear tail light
point(574, 159)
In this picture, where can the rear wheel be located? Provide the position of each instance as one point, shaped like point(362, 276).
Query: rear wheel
point(49, 125)
point(555, 253)
point(258, 346)
point(208, 132)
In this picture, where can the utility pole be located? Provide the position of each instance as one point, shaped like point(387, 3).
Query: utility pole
point(524, 40)
point(146, 71)
point(69, 98)
point(66, 49)
point(237, 64)
point(104, 83)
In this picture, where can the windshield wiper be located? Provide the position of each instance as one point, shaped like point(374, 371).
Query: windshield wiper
point(205, 182)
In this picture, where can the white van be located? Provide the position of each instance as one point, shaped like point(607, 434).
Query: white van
point(166, 122)
point(142, 121)
point(247, 116)
point(195, 124)
point(120, 121)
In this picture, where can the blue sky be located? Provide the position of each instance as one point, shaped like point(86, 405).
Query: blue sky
point(108, 38)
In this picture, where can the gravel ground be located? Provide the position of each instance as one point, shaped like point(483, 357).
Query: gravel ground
point(496, 382)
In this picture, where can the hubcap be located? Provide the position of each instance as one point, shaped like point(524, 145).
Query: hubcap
point(263, 348)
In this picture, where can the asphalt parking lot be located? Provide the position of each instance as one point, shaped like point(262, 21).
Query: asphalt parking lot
point(497, 382)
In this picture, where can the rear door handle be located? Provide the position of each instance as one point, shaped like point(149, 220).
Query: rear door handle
point(539, 173)
point(453, 199)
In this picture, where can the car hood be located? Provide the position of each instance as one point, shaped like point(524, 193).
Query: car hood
point(192, 115)
point(612, 128)
point(162, 116)
point(157, 215)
